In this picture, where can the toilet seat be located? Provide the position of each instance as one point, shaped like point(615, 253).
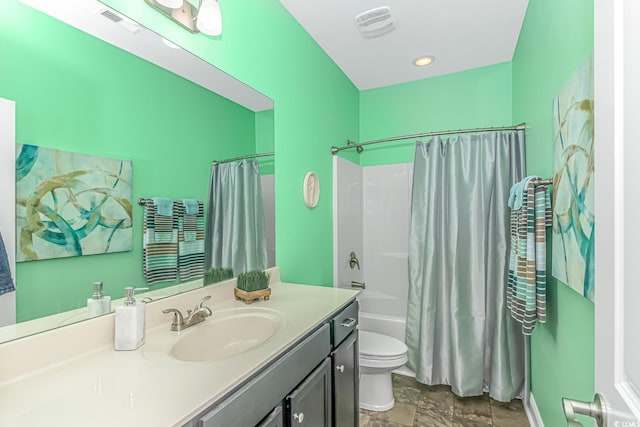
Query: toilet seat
point(380, 347)
point(383, 363)
point(381, 351)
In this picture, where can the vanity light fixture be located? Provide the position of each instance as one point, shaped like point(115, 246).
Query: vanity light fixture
point(205, 18)
point(423, 61)
point(209, 19)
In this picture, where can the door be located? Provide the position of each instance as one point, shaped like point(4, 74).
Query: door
point(345, 382)
point(309, 405)
point(617, 148)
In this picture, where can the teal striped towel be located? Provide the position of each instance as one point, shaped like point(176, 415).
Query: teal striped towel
point(164, 206)
point(190, 240)
point(6, 280)
point(160, 244)
point(191, 206)
point(516, 195)
point(527, 280)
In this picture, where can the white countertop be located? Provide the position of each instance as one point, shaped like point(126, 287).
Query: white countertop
point(46, 323)
point(102, 387)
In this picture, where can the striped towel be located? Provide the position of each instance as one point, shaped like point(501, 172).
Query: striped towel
point(527, 283)
point(190, 239)
point(6, 281)
point(160, 245)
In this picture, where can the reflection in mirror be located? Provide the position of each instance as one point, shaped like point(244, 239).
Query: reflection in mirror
point(236, 240)
point(76, 93)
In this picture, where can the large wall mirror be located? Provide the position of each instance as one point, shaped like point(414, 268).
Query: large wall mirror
point(86, 79)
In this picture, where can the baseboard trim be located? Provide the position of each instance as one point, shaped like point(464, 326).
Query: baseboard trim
point(531, 409)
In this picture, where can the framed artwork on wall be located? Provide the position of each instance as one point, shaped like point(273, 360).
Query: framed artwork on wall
point(71, 204)
point(573, 182)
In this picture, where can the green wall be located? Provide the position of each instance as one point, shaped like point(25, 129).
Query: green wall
point(475, 98)
point(555, 39)
point(264, 141)
point(316, 106)
point(76, 93)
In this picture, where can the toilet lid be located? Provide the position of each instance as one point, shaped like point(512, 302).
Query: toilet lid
point(373, 344)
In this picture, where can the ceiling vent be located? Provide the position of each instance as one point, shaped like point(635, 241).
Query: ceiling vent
point(375, 22)
point(126, 23)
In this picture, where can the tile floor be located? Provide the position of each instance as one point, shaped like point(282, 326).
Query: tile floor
point(418, 405)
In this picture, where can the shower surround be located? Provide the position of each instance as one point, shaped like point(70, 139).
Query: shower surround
point(371, 211)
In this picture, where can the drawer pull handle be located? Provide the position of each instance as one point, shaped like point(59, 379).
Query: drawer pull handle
point(340, 368)
point(299, 417)
point(348, 322)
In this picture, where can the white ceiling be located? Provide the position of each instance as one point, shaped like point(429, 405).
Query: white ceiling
point(460, 34)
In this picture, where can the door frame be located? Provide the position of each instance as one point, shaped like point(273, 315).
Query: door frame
point(610, 59)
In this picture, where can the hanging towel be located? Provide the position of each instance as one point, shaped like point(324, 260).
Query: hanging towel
point(527, 282)
point(160, 243)
point(164, 206)
point(6, 281)
point(190, 240)
point(191, 206)
point(517, 192)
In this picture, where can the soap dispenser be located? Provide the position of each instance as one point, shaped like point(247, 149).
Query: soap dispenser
point(98, 304)
point(130, 322)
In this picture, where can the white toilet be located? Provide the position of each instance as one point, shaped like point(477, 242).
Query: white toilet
point(379, 355)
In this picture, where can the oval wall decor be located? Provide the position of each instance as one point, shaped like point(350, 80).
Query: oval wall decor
point(311, 189)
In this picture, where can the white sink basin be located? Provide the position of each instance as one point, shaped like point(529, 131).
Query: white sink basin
point(226, 334)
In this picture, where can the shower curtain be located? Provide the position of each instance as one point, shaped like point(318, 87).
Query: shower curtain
point(458, 329)
point(235, 233)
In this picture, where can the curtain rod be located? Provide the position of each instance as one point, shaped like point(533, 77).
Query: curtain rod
point(359, 149)
point(248, 156)
point(540, 181)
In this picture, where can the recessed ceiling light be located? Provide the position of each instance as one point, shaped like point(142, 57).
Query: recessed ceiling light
point(423, 61)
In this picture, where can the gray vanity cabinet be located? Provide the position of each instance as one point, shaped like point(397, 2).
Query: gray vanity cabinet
point(309, 405)
point(345, 382)
point(274, 419)
point(313, 384)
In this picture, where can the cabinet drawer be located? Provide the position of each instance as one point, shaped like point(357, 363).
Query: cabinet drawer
point(344, 323)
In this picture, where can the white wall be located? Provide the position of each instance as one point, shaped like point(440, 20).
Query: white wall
point(371, 217)
point(269, 203)
point(347, 223)
point(387, 198)
point(7, 202)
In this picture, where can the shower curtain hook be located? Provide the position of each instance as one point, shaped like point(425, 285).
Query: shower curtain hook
point(359, 148)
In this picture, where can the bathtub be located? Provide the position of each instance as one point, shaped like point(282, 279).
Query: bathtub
point(372, 305)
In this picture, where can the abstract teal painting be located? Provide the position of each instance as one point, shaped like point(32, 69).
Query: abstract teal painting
point(573, 182)
point(71, 204)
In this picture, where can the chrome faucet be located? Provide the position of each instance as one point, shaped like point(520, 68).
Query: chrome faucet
point(195, 316)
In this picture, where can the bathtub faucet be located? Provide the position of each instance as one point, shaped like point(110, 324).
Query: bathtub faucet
point(353, 261)
point(360, 285)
